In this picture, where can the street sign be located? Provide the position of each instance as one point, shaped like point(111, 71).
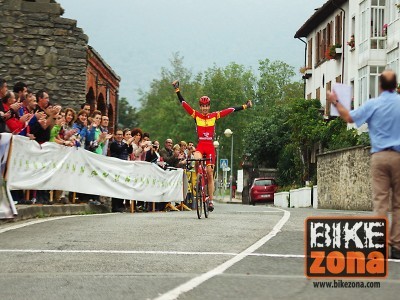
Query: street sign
point(223, 163)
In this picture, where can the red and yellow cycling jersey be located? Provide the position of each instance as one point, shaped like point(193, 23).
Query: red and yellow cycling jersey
point(205, 123)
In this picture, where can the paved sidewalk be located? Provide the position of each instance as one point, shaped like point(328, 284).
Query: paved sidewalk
point(225, 199)
point(40, 211)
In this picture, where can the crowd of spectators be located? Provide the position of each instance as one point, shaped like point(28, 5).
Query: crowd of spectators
point(23, 112)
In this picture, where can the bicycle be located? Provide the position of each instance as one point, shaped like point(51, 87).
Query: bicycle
point(201, 187)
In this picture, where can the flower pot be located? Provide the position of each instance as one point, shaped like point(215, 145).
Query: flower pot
point(339, 50)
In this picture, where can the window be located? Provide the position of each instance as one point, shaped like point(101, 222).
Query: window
point(369, 82)
point(376, 17)
point(324, 42)
point(375, 71)
point(318, 48)
point(264, 182)
point(363, 29)
point(318, 94)
point(338, 29)
point(378, 39)
point(329, 35)
point(363, 85)
point(327, 105)
point(309, 54)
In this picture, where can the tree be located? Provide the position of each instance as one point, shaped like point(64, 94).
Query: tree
point(285, 138)
point(266, 136)
point(306, 126)
point(227, 87)
point(160, 113)
point(127, 115)
point(275, 82)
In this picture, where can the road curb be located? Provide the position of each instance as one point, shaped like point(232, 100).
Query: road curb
point(228, 202)
point(33, 211)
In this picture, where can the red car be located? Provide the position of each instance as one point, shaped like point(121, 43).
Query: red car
point(262, 190)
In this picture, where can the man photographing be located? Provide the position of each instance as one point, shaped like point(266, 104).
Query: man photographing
point(382, 114)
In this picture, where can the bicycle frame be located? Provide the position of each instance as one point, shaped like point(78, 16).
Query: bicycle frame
point(201, 187)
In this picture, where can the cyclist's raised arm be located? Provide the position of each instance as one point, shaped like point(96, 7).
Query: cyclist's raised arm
point(185, 105)
point(230, 110)
point(175, 84)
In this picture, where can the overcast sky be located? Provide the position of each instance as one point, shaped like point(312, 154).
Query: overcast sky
point(137, 38)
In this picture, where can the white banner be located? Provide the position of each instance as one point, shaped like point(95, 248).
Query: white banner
point(54, 167)
point(7, 208)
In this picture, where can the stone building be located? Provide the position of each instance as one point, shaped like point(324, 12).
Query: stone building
point(45, 50)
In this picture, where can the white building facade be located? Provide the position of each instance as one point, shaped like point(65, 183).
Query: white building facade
point(350, 42)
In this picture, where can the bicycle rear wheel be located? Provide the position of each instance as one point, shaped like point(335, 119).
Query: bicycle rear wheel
point(199, 196)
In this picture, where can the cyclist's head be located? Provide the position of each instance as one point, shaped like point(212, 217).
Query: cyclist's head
point(204, 100)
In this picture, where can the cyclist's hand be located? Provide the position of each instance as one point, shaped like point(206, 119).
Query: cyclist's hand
point(175, 84)
point(249, 104)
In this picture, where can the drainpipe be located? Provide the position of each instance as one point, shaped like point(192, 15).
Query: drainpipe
point(116, 118)
point(343, 35)
point(305, 64)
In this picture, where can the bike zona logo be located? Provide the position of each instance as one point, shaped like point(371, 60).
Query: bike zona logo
point(346, 247)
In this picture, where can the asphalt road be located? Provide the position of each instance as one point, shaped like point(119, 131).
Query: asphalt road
point(240, 252)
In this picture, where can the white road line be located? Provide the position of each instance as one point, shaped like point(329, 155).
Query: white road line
point(191, 284)
point(146, 252)
point(273, 255)
point(257, 212)
point(44, 220)
point(115, 252)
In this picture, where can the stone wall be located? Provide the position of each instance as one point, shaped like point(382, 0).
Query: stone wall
point(344, 180)
point(42, 49)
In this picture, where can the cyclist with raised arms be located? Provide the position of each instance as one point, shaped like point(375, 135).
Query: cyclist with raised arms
point(205, 127)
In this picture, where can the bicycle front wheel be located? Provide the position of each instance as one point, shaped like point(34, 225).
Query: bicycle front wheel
point(199, 196)
point(205, 199)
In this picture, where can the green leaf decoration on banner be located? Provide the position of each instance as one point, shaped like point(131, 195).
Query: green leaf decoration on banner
point(127, 179)
point(82, 170)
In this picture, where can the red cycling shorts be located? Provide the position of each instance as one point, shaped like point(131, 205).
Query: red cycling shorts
point(207, 148)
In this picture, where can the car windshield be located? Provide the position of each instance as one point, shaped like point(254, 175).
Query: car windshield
point(264, 182)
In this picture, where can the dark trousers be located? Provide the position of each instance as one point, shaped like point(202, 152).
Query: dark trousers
point(18, 195)
point(117, 204)
point(42, 196)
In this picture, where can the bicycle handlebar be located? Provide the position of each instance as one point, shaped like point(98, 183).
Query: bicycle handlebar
point(198, 159)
